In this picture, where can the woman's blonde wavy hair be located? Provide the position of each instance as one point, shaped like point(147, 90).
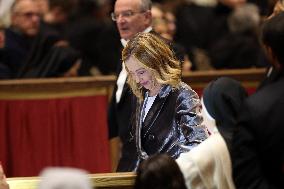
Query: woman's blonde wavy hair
point(156, 56)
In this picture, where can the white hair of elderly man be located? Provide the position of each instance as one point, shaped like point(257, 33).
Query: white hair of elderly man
point(64, 178)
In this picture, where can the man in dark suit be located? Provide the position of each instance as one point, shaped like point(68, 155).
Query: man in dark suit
point(257, 150)
point(131, 17)
point(19, 37)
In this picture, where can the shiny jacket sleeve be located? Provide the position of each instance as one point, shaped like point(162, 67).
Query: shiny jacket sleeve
point(188, 115)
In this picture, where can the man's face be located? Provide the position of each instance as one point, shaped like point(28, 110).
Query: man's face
point(26, 17)
point(130, 19)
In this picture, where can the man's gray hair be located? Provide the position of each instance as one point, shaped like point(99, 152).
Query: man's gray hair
point(145, 5)
point(14, 6)
point(244, 18)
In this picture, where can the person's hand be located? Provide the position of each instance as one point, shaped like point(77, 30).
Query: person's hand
point(3, 181)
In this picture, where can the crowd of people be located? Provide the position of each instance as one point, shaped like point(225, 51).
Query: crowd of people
point(49, 38)
point(158, 126)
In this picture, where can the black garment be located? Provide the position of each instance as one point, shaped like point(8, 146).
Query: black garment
point(237, 50)
point(55, 30)
point(223, 98)
point(46, 59)
point(191, 23)
point(98, 43)
point(258, 153)
point(109, 49)
point(179, 50)
point(216, 25)
point(201, 27)
point(5, 71)
point(119, 114)
point(16, 51)
point(54, 63)
point(272, 74)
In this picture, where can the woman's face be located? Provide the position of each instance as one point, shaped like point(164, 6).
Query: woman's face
point(140, 74)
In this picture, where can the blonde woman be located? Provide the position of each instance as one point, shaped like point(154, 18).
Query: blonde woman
point(166, 117)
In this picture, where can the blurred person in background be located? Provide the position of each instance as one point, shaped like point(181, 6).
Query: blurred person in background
point(272, 71)
point(164, 24)
point(205, 32)
point(51, 55)
point(43, 6)
point(240, 47)
point(64, 178)
point(19, 37)
point(5, 7)
point(4, 69)
point(92, 32)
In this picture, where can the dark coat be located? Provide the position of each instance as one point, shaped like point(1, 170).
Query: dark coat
point(258, 153)
point(119, 113)
point(16, 51)
point(171, 126)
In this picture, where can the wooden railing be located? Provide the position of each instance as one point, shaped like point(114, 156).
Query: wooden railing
point(59, 86)
point(250, 78)
point(101, 181)
point(55, 87)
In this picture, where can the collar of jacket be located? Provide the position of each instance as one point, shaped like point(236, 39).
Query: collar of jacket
point(165, 91)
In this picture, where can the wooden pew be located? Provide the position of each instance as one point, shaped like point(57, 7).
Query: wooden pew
point(56, 87)
point(101, 181)
point(250, 78)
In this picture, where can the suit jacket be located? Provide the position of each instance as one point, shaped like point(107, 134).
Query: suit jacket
point(257, 149)
point(171, 126)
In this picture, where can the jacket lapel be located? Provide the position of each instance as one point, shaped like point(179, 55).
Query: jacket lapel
point(155, 110)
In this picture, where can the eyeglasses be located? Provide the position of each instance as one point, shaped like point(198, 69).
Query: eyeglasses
point(126, 14)
point(29, 14)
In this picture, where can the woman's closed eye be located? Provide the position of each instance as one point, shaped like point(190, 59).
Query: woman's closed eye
point(141, 72)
